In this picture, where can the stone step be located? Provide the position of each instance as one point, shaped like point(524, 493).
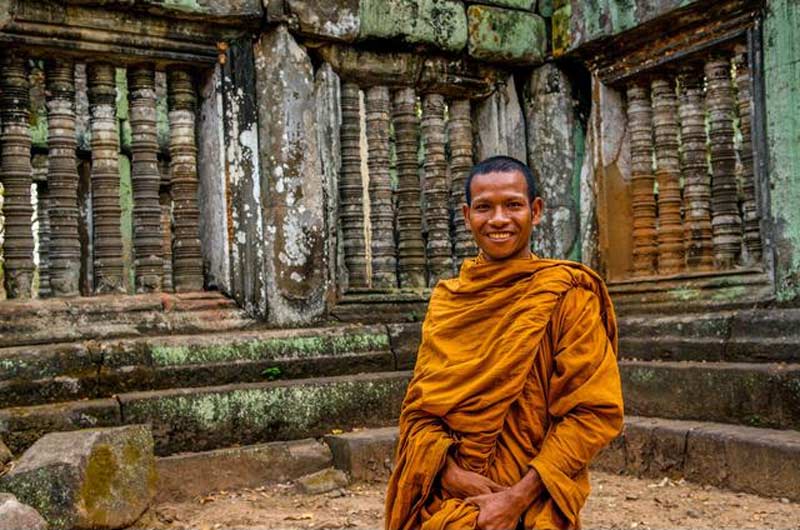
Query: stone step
point(755, 394)
point(101, 317)
point(201, 419)
point(746, 335)
point(755, 460)
point(37, 374)
point(186, 476)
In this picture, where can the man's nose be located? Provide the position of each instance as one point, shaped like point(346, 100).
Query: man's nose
point(499, 217)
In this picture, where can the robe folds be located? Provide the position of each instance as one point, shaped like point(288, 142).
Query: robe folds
point(517, 368)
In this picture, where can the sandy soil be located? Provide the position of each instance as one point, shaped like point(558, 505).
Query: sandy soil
point(616, 503)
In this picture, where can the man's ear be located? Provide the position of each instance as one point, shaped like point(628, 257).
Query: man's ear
point(465, 212)
point(536, 210)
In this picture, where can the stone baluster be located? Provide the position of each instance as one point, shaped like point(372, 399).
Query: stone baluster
point(460, 136)
point(166, 241)
point(752, 218)
point(43, 215)
point(725, 220)
point(668, 173)
point(435, 191)
point(107, 241)
point(17, 175)
point(187, 259)
point(351, 209)
point(145, 178)
point(384, 262)
point(694, 165)
point(411, 245)
point(62, 179)
point(640, 125)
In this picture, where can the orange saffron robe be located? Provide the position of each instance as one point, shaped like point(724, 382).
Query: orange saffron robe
point(517, 369)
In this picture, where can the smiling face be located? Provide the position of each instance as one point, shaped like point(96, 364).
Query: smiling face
point(501, 217)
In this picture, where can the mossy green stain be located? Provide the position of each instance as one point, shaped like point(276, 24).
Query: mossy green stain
point(102, 469)
point(561, 30)
point(126, 220)
point(685, 294)
point(642, 376)
point(441, 23)
point(729, 294)
point(782, 94)
point(501, 34)
point(273, 348)
point(184, 5)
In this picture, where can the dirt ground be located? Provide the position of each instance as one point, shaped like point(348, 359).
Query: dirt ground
point(616, 503)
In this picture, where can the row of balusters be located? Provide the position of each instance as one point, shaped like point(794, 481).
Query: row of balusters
point(686, 124)
point(402, 236)
point(61, 236)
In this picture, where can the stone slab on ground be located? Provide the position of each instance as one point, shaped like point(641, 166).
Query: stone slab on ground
point(322, 481)
point(366, 455)
point(93, 478)
point(198, 419)
point(755, 394)
point(17, 516)
point(504, 35)
point(189, 475)
point(760, 461)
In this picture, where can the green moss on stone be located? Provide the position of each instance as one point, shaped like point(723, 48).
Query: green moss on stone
point(504, 35)
point(440, 23)
point(273, 348)
point(685, 294)
point(126, 220)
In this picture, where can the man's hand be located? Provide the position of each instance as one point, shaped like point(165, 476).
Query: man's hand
point(460, 483)
point(502, 510)
point(497, 511)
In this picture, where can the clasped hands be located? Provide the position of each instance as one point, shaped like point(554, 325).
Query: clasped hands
point(500, 507)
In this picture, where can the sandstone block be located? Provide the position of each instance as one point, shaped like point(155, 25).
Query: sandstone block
point(17, 516)
point(94, 478)
point(331, 20)
point(322, 481)
point(500, 124)
point(504, 35)
point(527, 5)
point(365, 455)
point(5, 453)
point(405, 340)
point(439, 23)
point(292, 196)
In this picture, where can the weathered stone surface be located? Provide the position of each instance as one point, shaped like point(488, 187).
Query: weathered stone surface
point(244, 178)
point(366, 455)
point(576, 22)
point(5, 453)
point(439, 23)
point(212, 417)
point(781, 74)
point(293, 194)
point(515, 4)
point(322, 481)
point(555, 142)
point(95, 478)
point(760, 461)
point(405, 340)
point(680, 390)
point(330, 20)
point(499, 124)
point(390, 68)
point(187, 476)
point(212, 193)
point(17, 516)
point(502, 35)
point(219, 9)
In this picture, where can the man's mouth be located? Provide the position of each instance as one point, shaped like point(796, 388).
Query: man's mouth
point(500, 236)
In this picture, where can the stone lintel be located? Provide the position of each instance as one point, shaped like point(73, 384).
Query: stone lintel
point(506, 36)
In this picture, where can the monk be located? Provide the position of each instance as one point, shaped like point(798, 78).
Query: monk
point(516, 386)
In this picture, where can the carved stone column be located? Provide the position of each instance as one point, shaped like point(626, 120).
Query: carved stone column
point(351, 210)
point(62, 179)
point(460, 135)
point(384, 262)
point(640, 125)
point(108, 265)
point(668, 173)
point(725, 220)
point(187, 259)
point(436, 194)
point(411, 246)
point(166, 241)
point(43, 215)
point(145, 178)
point(752, 218)
point(694, 165)
point(16, 174)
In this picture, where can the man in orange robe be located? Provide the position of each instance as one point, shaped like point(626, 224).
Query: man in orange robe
point(516, 385)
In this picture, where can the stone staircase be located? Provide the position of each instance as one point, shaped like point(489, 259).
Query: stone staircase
point(713, 397)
